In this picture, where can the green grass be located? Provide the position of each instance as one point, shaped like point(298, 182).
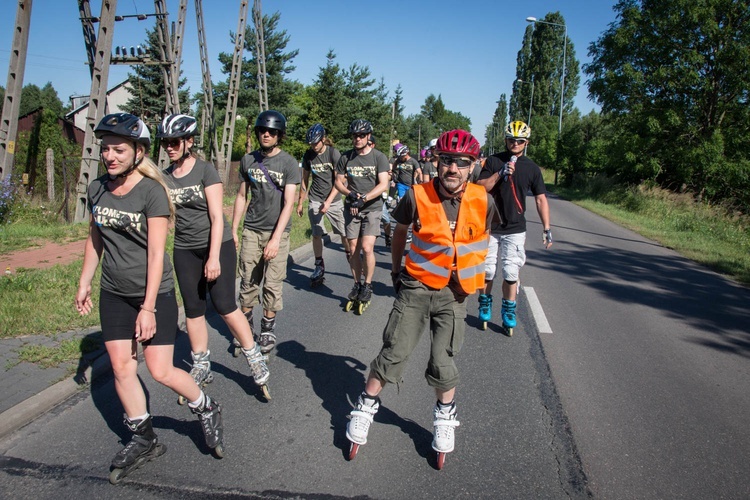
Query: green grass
point(40, 301)
point(66, 351)
point(22, 235)
point(709, 235)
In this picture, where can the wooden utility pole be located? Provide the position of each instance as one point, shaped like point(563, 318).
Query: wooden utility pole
point(208, 91)
point(13, 88)
point(260, 56)
point(97, 104)
point(234, 84)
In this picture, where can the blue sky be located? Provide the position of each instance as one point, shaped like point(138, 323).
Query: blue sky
point(465, 51)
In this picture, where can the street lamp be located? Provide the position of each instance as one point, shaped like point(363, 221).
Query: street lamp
point(562, 77)
point(531, 102)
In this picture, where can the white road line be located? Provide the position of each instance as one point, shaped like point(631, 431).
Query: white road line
point(536, 310)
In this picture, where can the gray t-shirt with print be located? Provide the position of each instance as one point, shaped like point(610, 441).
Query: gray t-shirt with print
point(361, 173)
point(122, 222)
point(266, 199)
point(321, 167)
point(403, 172)
point(193, 225)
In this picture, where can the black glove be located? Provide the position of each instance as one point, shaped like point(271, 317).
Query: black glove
point(358, 203)
point(352, 196)
point(396, 279)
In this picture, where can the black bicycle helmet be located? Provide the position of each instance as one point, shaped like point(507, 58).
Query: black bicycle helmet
point(360, 127)
point(124, 125)
point(315, 134)
point(271, 119)
point(176, 127)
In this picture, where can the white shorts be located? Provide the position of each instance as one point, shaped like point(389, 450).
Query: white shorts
point(512, 255)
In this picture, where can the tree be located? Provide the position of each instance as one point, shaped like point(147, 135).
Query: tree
point(672, 75)
point(147, 82)
point(494, 133)
point(32, 98)
point(540, 60)
point(431, 121)
point(32, 146)
point(278, 65)
point(328, 103)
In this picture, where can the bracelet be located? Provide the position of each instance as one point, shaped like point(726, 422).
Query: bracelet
point(148, 310)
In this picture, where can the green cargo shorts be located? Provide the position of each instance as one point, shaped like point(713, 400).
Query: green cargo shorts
point(415, 307)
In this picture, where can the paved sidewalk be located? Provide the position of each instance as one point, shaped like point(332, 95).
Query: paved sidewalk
point(29, 390)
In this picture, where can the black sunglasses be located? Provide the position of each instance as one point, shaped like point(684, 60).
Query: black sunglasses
point(517, 141)
point(171, 143)
point(271, 131)
point(460, 162)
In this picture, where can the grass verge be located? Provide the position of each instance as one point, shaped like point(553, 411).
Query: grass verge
point(710, 235)
point(69, 350)
point(40, 301)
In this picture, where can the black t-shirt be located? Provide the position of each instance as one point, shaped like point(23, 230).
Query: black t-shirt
point(510, 194)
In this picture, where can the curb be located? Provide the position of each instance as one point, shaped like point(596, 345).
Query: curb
point(34, 407)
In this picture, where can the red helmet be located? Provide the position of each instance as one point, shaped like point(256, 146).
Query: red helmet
point(458, 142)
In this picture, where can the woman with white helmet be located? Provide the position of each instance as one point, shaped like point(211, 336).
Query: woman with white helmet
point(204, 254)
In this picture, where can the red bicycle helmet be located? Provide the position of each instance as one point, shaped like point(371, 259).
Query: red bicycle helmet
point(458, 142)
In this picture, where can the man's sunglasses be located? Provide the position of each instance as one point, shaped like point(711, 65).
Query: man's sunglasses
point(460, 162)
point(517, 141)
point(360, 136)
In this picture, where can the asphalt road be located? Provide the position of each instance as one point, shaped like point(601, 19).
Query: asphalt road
point(640, 391)
point(650, 354)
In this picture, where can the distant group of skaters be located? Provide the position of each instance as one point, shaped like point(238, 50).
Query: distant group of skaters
point(462, 215)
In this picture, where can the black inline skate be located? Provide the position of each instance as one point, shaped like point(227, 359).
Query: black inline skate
point(209, 415)
point(142, 448)
point(318, 277)
point(267, 338)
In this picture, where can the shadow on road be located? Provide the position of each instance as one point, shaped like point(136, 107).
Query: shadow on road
point(679, 288)
point(338, 381)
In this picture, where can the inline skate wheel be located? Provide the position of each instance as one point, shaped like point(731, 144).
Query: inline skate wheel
point(181, 400)
point(440, 460)
point(353, 449)
point(219, 450)
point(236, 352)
point(116, 476)
point(508, 331)
point(484, 325)
point(266, 392)
point(349, 305)
point(361, 308)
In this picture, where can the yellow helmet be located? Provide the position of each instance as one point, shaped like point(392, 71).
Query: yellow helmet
point(517, 130)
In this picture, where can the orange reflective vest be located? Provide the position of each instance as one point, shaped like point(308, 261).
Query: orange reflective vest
point(436, 251)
